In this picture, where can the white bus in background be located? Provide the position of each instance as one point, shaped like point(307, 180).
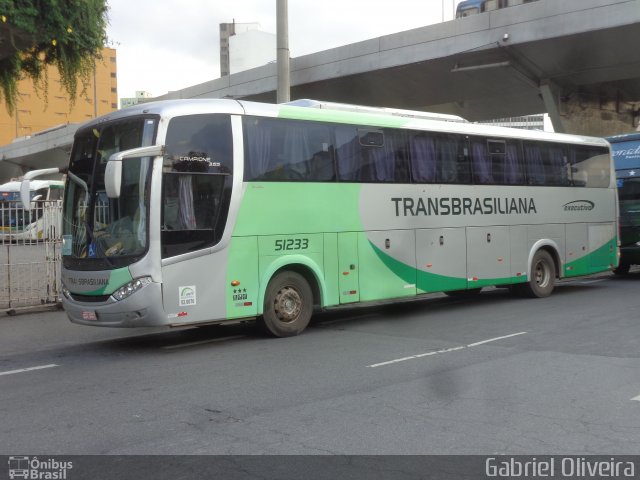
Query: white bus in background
point(42, 222)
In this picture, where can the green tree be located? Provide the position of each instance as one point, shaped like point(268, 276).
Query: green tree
point(34, 34)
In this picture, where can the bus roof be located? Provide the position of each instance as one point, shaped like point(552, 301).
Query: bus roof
point(625, 137)
point(626, 153)
point(377, 110)
point(354, 114)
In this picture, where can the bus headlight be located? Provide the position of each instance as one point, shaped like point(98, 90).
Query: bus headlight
point(66, 292)
point(130, 288)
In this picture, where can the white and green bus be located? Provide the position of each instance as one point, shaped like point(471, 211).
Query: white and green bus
point(211, 211)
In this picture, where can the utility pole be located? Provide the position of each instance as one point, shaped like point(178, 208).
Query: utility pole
point(95, 93)
point(284, 86)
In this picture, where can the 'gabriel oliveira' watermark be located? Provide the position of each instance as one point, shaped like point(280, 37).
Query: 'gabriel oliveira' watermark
point(38, 469)
point(559, 467)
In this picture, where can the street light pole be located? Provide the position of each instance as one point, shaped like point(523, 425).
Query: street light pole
point(284, 86)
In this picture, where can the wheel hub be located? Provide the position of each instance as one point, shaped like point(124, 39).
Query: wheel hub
point(541, 274)
point(288, 304)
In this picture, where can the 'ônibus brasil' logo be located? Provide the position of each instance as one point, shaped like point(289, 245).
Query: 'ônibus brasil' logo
point(579, 206)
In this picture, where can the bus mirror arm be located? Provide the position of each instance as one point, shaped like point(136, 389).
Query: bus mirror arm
point(25, 196)
point(113, 170)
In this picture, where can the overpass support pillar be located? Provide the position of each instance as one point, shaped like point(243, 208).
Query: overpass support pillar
point(551, 97)
point(597, 112)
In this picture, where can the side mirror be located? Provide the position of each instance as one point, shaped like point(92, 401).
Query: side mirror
point(113, 178)
point(113, 170)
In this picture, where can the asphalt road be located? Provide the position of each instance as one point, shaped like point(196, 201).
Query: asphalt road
point(489, 375)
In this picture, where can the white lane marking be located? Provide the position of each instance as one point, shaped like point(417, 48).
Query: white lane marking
point(495, 339)
point(445, 350)
point(637, 399)
point(202, 342)
point(412, 357)
point(30, 369)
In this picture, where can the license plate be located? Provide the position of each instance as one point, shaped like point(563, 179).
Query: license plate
point(89, 315)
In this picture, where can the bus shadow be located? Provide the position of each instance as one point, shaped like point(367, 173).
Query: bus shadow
point(436, 304)
point(430, 303)
point(178, 339)
point(189, 338)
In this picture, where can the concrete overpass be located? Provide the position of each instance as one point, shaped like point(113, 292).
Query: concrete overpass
point(543, 56)
point(576, 59)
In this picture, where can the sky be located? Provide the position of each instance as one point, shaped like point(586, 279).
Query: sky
point(165, 45)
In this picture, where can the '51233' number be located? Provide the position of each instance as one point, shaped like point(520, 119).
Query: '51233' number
point(289, 244)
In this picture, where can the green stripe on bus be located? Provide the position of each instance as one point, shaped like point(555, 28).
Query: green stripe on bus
point(594, 262)
point(333, 116)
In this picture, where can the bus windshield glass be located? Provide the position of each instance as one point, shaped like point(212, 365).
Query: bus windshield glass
point(629, 195)
point(111, 230)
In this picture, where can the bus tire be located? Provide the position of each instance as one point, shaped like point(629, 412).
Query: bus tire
point(288, 305)
point(622, 269)
point(542, 279)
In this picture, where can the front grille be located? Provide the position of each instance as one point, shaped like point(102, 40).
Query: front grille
point(90, 298)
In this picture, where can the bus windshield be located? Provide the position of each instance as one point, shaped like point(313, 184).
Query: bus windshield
point(629, 195)
point(98, 227)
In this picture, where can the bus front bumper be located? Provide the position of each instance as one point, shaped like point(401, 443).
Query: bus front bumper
point(141, 309)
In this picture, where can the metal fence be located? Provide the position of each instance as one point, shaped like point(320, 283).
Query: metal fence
point(30, 254)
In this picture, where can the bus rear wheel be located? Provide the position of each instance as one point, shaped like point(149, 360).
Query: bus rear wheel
point(542, 280)
point(622, 269)
point(288, 305)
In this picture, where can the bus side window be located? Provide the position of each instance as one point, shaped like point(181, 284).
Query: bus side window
point(496, 162)
point(285, 150)
point(513, 172)
point(383, 156)
point(481, 162)
point(454, 159)
point(422, 155)
point(556, 166)
point(348, 154)
point(438, 158)
point(534, 163)
point(589, 166)
point(200, 143)
point(55, 193)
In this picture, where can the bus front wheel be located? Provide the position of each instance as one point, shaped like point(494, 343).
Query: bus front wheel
point(288, 305)
point(542, 279)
